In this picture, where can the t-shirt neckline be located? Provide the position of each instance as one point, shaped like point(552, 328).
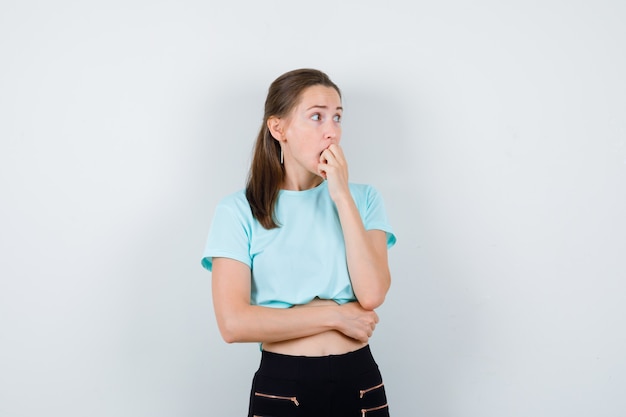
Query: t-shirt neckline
point(315, 189)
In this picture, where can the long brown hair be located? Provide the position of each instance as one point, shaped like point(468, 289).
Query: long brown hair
point(266, 172)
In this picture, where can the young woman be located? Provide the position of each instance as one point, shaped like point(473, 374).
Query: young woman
point(299, 261)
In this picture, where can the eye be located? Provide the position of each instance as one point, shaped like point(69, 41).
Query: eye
point(337, 118)
point(316, 117)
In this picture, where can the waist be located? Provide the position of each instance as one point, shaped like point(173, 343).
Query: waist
point(331, 342)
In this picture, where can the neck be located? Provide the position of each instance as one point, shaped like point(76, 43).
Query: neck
point(301, 184)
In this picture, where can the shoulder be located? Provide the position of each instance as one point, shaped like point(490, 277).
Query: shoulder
point(236, 201)
point(235, 206)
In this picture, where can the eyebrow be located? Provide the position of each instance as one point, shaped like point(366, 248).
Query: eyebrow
point(322, 107)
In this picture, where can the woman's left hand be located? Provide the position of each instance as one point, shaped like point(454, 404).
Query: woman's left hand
point(334, 169)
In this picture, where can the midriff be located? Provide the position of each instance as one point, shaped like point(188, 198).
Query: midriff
point(331, 342)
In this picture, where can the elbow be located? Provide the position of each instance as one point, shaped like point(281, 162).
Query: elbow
point(372, 302)
point(234, 324)
point(229, 331)
point(228, 337)
point(374, 296)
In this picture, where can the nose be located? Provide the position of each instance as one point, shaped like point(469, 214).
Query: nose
point(333, 132)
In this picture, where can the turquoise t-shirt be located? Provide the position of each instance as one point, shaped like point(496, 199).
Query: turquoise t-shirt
point(305, 257)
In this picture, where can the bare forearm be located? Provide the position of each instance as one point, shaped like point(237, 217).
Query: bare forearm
point(366, 252)
point(239, 321)
point(368, 267)
point(264, 324)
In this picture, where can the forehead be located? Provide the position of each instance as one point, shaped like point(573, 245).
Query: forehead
point(319, 95)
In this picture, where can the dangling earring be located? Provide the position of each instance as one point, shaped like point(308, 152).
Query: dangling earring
point(281, 156)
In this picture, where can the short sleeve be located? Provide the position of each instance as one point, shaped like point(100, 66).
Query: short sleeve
point(229, 236)
point(375, 216)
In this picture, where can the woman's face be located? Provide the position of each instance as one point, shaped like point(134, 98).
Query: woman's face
point(312, 126)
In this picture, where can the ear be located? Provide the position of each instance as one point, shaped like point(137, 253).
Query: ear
point(275, 125)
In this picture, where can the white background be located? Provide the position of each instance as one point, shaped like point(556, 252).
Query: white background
point(495, 130)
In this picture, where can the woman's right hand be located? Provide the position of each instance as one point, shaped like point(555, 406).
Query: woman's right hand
point(356, 322)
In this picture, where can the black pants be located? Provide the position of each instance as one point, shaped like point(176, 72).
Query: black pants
point(348, 385)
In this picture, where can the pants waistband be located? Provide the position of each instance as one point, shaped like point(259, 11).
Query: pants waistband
point(345, 366)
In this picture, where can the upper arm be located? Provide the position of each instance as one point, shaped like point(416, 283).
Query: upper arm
point(378, 240)
point(231, 286)
point(378, 288)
